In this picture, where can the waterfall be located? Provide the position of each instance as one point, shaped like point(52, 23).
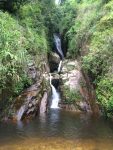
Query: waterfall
point(58, 45)
point(55, 96)
point(59, 67)
point(57, 2)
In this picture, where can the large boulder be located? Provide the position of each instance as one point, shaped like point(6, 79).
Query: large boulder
point(43, 105)
point(54, 61)
point(71, 74)
point(74, 95)
point(30, 101)
point(54, 57)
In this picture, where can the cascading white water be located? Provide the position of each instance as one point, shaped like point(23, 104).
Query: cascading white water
point(59, 67)
point(57, 2)
point(55, 96)
point(58, 45)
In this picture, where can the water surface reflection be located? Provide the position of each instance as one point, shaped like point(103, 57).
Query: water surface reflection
point(57, 130)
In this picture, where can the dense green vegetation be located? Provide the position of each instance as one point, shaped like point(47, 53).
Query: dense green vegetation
point(27, 27)
point(88, 25)
point(71, 96)
point(24, 40)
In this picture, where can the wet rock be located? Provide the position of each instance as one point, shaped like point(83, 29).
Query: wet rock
point(71, 79)
point(71, 75)
point(34, 102)
point(54, 57)
point(56, 83)
point(84, 106)
point(30, 105)
point(31, 99)
point(54, 61)
point(31, 110)
point(32, 72)
point(20, 112)
point(43, 105)
point(69, 107)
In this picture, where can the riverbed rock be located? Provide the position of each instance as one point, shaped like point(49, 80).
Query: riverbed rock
point(34, 99)
point(71, 75)
point(24, 108)
point(43, 105)
point(32, 72)
point(54, 61)
point(27, 104)
point(20, 112)
point(54, 57)
point(74, 95)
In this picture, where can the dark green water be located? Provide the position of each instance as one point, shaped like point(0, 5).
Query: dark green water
point(57, 130)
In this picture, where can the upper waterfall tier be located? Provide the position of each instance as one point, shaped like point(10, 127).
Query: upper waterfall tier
point(57, 41)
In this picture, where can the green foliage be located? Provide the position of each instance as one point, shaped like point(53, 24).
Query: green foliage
point(87, 15)
point(100, 54)
point(71, 96)
point(24, 82)
point(86, 23)
point(52, 16)
point(33, 22)
point(13, 54)
point(23, 39)
point(68, 15)
point(11, 5)
point(91, 37)
point(104, 93)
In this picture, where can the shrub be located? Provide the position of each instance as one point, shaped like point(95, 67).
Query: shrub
point(91, 37)
point(71, 96)
point(13, 54)
point(35, 31)
point(104, 93)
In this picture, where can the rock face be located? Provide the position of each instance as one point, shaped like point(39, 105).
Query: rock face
point(33, 99)
point(30, 101)
point(54, 61)
point(73, 88)
point(71, 75)
point(43, 105)
point(54, 57)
